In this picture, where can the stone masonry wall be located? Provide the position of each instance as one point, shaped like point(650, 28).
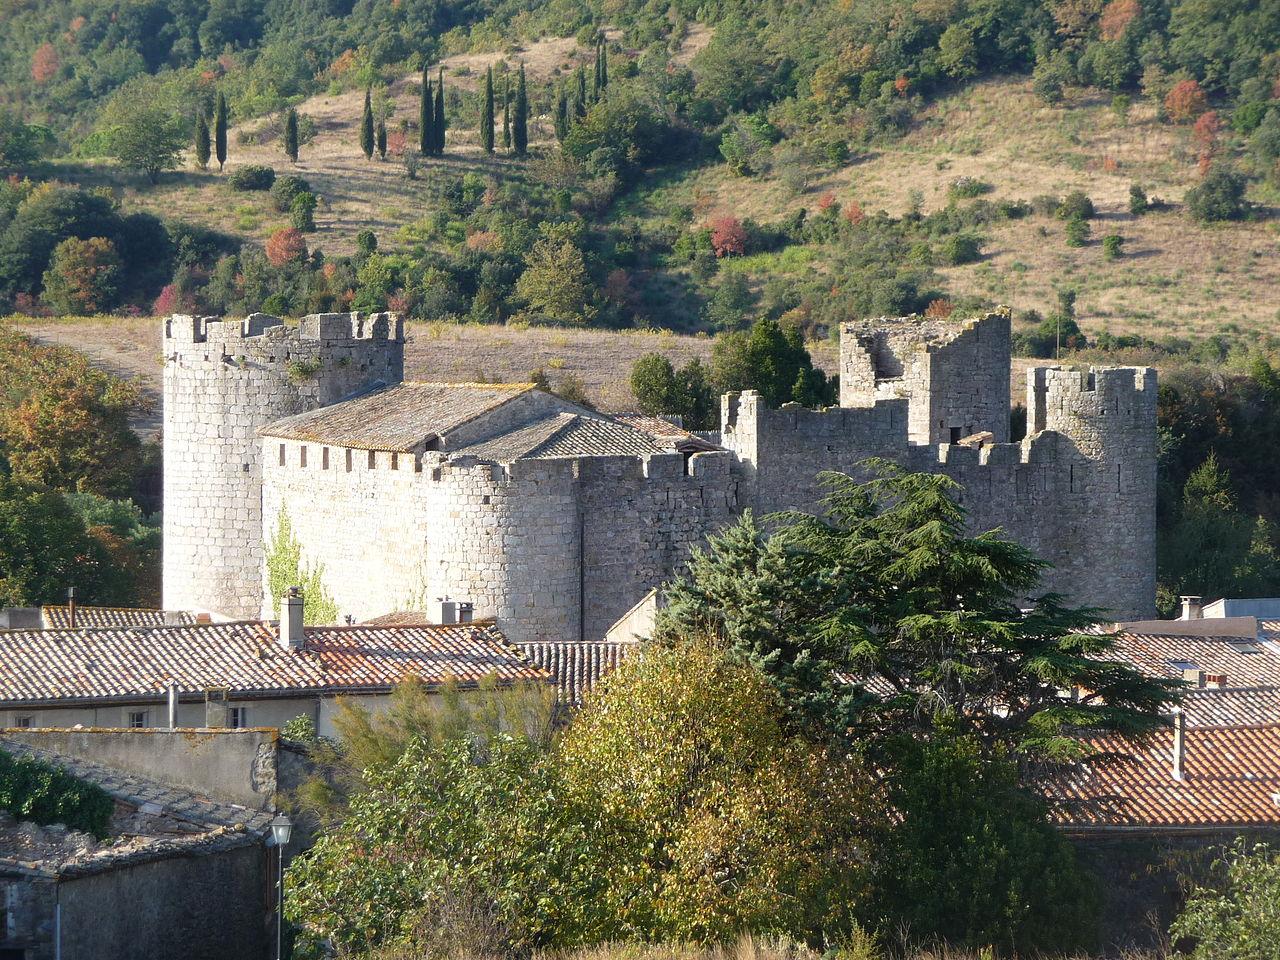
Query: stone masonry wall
point(554, 549)
point(222, 381)
point(1080, 493)
point(955, 374)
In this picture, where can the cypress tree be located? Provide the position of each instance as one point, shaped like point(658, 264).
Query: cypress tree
point(597, 80)
point(366, 126)
point(426, 118)
point(604, 65)
point(291, 135)
point(382, 140)
point(441, 121)
point(580, 97)
point(486, 113)
point(520, 133)
point(562, 116)
point(506, 113)
point(220, 131)
point(202, 142)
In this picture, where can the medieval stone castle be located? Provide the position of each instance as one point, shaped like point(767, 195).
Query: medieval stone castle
point(556, 520)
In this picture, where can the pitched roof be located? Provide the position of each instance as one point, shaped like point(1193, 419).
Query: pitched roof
point(1231, 706)
point(669, 434)
point(246, 659)
point(59, 617)
point(565, 435)
point(1244, 661)
point(399, 418)
point(1231, 779)
point(578, 666)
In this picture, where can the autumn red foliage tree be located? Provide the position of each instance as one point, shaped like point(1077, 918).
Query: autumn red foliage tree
point(1185, 101)
point(44, 63)
point(854, 213)
point(1206, 131)
point(728, 237)
point(1116, 17)
point(285, 246)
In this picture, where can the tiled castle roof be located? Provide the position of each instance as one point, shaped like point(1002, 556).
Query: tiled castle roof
point(246, 658)
point(399, 418)
point(577, 667)
point(566, 435)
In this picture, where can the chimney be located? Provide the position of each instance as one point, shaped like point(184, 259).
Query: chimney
point(71, 607)
point(466, 612)
point(1215, 681)
point(292, 636)
point(1192, 608)
point(1179, 742)
point(445, 611)
point(1193, 676)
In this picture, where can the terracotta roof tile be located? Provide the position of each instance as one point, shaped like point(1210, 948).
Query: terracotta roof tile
point(577, 667)
point(59, 617)
point(565, 435)
point(663, 430)
point(1231, 779)
point(40, 666)
point(1231, 706)
point(1244, 662)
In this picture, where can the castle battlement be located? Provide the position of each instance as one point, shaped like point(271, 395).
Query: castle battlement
point(1079, 402)
point(329, 328)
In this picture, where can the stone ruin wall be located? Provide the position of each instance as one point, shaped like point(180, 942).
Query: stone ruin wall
point(222, 381)
point(1080, 494)
point(555, 549)
point(955, 375)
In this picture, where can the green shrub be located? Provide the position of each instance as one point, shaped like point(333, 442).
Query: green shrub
point(963, 188)
point(1219, 196)
point(285, 189)
point(1111, 245)
point(1076, 205)
point(1045, 204)
point(302, 212)
point(961, 248)
point(1138, 202)
point(1077, 232)
point(1234, 917)
point(252, 176)
point(32, 789)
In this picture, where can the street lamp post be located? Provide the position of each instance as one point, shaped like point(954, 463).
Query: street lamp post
point(281, 830)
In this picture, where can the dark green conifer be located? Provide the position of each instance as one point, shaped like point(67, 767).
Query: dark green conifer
point(202, 142)
point(562, 116)
point(366, 126)
point(597, 78)
point(580, 94)
point(291, 135)
point(520, 131)
point(486, 113)
point(506, 113)
point(604, 65)
point(426, 117)
point(441, 121)
point(382, 140)
point(220, 131)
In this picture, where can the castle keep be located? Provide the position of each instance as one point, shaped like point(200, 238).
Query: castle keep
point(556, 519)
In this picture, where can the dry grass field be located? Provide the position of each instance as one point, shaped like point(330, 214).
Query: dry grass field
point(600, 359)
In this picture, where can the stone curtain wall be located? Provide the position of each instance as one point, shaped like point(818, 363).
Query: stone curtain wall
point(356, 513)
point(222, 381)
point(1080, 494)
point(554, 549)
point(955, 374)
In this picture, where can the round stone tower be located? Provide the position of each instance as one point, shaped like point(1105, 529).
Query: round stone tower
point(1105, 478)
point(223, 380)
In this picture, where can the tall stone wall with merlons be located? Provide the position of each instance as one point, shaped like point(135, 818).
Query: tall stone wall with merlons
point(1079, 492)
point(222, 381)
point(554, 549)
point(954, 374)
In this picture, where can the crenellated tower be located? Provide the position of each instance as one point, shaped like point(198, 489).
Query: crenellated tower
point(222, 381)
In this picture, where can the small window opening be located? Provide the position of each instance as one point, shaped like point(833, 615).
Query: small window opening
point(137, 719)
point(324, 458)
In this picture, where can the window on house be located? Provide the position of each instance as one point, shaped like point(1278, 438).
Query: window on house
point(302, 456)
point(137, 719)
point(395, 461)
point(282, 454)
point(324, 459)
point(238, 717)
point(372, 459)
point(348, 461)
point(22, 723)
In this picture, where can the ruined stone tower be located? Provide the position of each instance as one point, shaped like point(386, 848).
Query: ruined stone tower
point(222, 381)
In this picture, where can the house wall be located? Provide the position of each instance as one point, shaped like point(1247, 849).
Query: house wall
point(206, 907)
